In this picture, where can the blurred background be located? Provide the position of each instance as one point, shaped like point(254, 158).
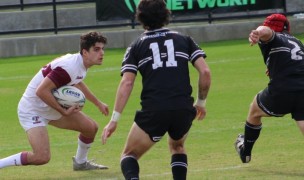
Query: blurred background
point(39, 27)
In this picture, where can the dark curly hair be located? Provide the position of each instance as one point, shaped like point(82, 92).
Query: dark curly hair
point(89, 39)
point(153, 14)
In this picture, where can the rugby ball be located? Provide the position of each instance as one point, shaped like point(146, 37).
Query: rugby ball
point(67, 96)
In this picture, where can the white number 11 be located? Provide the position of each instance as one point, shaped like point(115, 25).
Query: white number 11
point(171, 62)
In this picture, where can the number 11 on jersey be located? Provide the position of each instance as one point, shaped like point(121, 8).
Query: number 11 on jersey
point(170, 62)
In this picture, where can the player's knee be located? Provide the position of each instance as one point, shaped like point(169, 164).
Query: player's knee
point(177, 148)
point(91, 129)
point(256, 112)
point(42, 159)
point(95, 127)
point(127, 153)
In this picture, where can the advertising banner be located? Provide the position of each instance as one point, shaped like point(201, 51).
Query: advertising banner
point(125, 9)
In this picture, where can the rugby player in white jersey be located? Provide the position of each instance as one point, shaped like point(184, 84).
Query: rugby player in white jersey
point(38, 107)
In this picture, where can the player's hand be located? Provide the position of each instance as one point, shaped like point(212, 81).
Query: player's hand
point(103, 108)
point(73, 109)
point(254, 37)
point(200, 112)
point(108, 130)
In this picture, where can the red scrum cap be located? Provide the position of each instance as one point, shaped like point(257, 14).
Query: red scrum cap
point(277, 22)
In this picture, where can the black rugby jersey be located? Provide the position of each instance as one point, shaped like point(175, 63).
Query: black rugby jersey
point(162, 57)
point(284, 58)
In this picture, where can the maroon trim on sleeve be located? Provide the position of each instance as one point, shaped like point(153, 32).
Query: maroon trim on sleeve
point(59, 76)
point(46, 70)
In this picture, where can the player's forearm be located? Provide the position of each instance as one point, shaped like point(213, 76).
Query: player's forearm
point(44, 92)
point(204, 83)
point(204, 80)
point(265, 33)
point(88, 93)
point(47, 97)
point(122, 95)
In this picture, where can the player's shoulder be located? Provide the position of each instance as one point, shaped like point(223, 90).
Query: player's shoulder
point(282, 35)
point(68, 61)
point(285, 38)
point(66, 57)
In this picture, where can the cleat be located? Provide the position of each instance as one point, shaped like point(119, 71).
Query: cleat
point(89, 165)
point(239, 147)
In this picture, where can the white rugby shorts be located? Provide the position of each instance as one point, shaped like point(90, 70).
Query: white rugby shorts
point(28, 120)
point(30, 115)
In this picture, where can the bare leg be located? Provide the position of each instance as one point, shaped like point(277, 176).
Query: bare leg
point(77, 122)
point(87, 128)
point(301, 126)
point(38, 139)
point(137, 144)
point(252, 130)
point(179, 162)
point(255, 113)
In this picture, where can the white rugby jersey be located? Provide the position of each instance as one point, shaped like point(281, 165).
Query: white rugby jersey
point(65, 70)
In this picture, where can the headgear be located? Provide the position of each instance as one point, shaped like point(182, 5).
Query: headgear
point(277, 22)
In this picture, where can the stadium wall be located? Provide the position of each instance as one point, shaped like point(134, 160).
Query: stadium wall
point(63, 43)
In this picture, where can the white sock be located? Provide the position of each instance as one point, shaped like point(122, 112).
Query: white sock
point(13, 160)
point(82, 152)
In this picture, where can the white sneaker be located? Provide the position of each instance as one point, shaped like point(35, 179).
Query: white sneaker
point(89, 165)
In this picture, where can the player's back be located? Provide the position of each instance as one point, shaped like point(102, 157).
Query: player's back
point(284, 57)
point(162, 57)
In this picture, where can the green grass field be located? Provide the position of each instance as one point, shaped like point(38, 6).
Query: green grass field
point(238, 73)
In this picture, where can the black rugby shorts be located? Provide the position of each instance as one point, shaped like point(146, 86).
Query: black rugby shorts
point(279, 104)
point(156, 123)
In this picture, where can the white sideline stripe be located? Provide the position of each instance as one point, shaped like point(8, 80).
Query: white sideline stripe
point(199, 170)
point(227, 168)
point(118, 68)
point(30, 76)
point(105, 69)
point(15, 77)
point(229, 60)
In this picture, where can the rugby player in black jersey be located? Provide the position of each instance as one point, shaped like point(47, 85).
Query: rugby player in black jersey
point(162, 57)
point(283, 55)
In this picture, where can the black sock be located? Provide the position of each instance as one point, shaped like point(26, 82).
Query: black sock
point(130, 168)
point(252, 133)
point(179, 166)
